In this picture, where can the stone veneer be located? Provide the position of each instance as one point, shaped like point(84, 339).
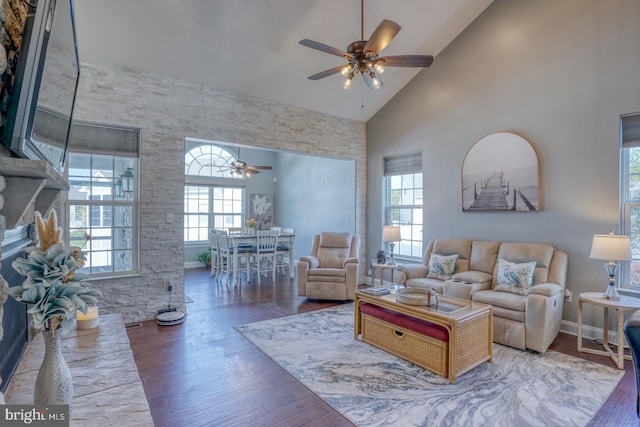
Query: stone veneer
point(13, 14)
point(168, 110)
point(12, 17)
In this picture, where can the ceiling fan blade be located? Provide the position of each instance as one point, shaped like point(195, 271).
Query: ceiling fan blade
point(266, 168)
point(326, 73)
point(381, 37)
point(406, 61)
point(325, 48)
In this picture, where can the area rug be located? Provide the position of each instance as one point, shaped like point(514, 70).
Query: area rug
point(374, 388)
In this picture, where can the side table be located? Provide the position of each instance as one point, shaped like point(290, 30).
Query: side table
point(382, 268)
point(625, 303)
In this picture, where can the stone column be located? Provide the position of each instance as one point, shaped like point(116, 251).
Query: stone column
point(3, 283)
point(3, 225)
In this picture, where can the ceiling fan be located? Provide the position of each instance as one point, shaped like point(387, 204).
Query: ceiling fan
point(363, 56)
point(238, 167)
point(241, 168)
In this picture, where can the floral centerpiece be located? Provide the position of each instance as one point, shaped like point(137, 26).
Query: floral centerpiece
point(52, 284)
point(251, 222)
point(55, 292)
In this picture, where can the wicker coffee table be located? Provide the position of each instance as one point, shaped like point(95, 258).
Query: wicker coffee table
point(469, 326)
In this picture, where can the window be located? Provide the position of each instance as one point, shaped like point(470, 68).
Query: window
point(209, 160)
point(630, 200)
point(102, 203)
point(210, 206)
point(403, 201)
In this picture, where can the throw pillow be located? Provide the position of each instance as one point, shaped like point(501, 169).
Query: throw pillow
point(515, 278)
point(442, 266)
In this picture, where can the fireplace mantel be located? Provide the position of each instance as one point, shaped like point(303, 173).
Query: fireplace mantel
point(30, 184)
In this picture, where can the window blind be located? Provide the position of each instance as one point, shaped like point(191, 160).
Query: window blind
point(403, 164)
point(104, 139)
point(630, 130)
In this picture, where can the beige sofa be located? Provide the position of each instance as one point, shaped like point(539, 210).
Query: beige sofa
point(330, 272)
point(523, 317)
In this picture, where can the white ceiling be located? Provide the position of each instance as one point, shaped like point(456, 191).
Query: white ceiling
point(251, 46)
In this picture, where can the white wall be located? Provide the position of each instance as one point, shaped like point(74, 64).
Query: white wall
point(559, 73)
point(315, 194)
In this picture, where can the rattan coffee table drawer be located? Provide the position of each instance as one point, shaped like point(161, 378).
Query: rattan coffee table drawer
point(430, 353)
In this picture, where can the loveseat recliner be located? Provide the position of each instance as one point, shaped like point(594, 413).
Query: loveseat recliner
point(330, 272)
point(527, 311)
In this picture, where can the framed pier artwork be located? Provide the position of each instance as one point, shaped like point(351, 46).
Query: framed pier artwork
point(501, 173)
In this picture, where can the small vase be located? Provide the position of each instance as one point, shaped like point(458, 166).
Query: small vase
point(54, 384)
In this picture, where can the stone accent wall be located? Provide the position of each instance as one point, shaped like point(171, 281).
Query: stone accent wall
point(168, 110)
point(13, 14)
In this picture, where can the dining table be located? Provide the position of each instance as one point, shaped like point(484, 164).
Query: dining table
point(251, 239)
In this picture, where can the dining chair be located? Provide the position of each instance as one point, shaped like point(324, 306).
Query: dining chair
point(217, 261)
point(283, 250)
point(263, 255)
point(278, 230)
point(236, 230)
point(215, 255)
point(229, 257)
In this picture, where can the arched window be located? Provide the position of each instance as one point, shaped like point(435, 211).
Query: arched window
point(209, 160)
point(218, 204)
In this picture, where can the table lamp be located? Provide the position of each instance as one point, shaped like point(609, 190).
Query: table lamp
point(611, 248)
point(391, 234)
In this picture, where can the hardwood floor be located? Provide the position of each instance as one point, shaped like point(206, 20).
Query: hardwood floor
point(203, 373)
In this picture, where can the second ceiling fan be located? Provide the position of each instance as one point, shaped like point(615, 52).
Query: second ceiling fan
point(363, 56)
point(238, 167)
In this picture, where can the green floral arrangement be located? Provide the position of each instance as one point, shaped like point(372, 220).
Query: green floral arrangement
point(251, 222)
point(52, 285)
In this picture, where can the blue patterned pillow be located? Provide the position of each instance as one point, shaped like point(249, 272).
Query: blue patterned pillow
point(441, 266)
point(515, 278)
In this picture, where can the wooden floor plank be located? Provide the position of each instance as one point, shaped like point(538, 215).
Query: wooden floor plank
point(203, 373)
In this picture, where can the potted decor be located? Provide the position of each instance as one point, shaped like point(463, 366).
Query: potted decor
point(55, 292)
point(205, 257)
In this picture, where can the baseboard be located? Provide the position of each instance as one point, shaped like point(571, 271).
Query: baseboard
point(193, 264)
point(589, 332)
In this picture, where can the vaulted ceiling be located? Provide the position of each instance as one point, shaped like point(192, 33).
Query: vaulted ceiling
point(251, 46)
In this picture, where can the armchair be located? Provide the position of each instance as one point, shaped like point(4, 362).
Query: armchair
point(632, 334)
point(330, 272)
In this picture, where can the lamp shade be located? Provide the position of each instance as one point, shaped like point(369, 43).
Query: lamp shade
point(611, 247)
point(391, 233)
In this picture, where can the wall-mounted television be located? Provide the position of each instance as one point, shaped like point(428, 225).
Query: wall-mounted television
point(45, 85)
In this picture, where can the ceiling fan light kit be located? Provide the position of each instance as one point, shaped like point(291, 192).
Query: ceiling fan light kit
point(238, 167)
point(363, 56)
